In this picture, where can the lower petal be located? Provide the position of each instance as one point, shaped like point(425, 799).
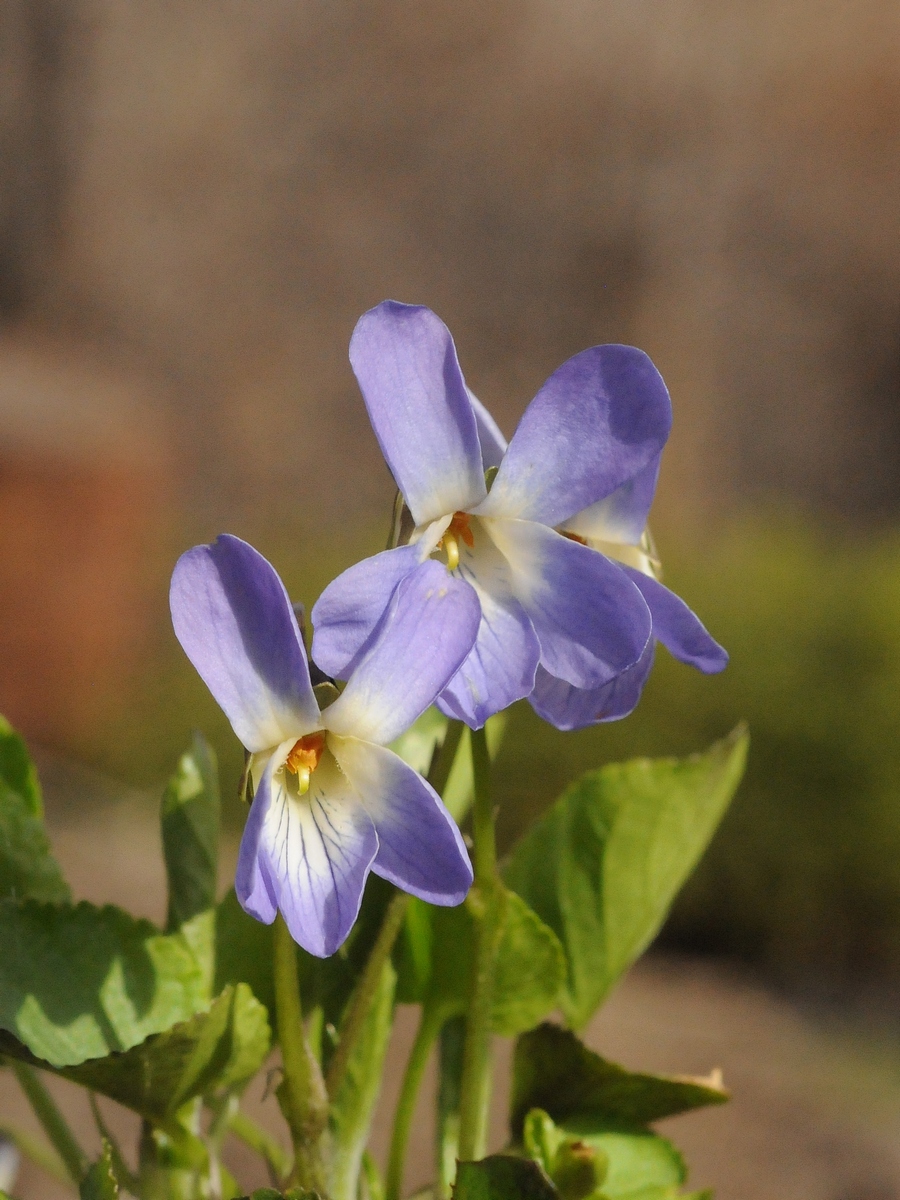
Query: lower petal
point(500, 667)
point(308, 855)
point(351, 606)
point(420, 848)
point(569, 707)
point(590, 619)
point(679, 630)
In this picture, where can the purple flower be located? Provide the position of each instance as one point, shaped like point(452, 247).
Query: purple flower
point(331, 802)
point(617, 527)
point(548, 603)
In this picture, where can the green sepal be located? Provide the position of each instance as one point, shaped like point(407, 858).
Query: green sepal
point(436, 952)
point(27, 868)
point(79, 982)
point(641, 1165)
point(100, 1182)
point(189, 817)
point(502, 1177)
point(602, 867)
point(554, 1071)
point(17, 770)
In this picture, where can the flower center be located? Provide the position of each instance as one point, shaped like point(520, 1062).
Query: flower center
point(458, 530)
point(304, 758)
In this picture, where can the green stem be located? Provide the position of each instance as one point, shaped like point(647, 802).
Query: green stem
point(42, 1156)
point(450, 1066)
point(370, 980)
point(429, 1028)
point(366, 989)
point(261, 1142)
point(301, 1093)
point(55, 1126)
point(485, 904)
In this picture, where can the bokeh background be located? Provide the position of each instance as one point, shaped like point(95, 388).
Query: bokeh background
point(197, 201)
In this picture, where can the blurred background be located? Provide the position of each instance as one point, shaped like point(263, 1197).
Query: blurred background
point(197, 202)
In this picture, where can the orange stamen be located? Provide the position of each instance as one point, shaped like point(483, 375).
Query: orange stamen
point(305, 753)
point(459, 528)
point(573, 537)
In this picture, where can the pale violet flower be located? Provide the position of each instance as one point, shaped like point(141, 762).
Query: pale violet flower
point(616, 527)
point(548, 602)
point(331, 801)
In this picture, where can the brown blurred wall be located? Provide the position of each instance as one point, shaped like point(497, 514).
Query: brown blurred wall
point(211, 192)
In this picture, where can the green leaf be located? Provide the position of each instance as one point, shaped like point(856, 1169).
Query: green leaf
point(354, 1105)
point(436, 956)
point(27, 868)
point(80, 982)
point(602, 867)
point(637, 1161)
point(190, 834)
point(212, 1053)
point(17, 770)
point(243, 951)
point(501, 1177)
point(100, 1183)
point(554, 1071)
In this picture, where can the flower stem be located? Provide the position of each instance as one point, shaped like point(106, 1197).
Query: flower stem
point(55, 1125)
point(429, 1028)
point(368, 985)
point(301, 1093)
point(485, 905)
point(370, 980)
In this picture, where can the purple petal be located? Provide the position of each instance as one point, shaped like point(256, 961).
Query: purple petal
point(493, 443)
point(420, 848)
point(236, 625)
point(568, 707)
point(500, 668)
point(590, 627)
point(312, 855)
point(406, 364)
point(596, 423)
point(677, 628)
point(347, 612)
point(621, 516)
point(427, 631)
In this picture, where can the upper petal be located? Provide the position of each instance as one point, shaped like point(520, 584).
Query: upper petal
point(428, 629)
point(569, 707)
point(406, 364)
point(622, 515)
point(597, 421)
point(233, 617)
point(347, 612)
point(590, 627)
point(420, 848)
point(311, 855)
point(679, 630)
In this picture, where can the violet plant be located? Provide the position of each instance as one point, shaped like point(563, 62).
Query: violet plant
point(519, 571)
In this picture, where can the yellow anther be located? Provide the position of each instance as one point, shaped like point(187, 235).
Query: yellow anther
point(458, 530)
point(303, 774)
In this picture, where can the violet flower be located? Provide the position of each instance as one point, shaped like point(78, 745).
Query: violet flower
point(616, 527)
point(547, 602)
point(331, 802)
